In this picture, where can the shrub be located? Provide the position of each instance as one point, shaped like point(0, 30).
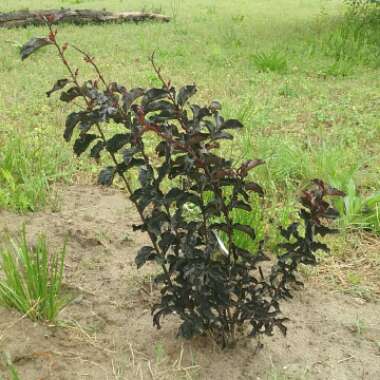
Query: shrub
point(187, 195)
point(31, 279)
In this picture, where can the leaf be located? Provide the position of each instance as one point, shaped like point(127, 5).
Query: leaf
point(251, 164)
point(70, 94)
point(162, 148)
point(153, 94)
point(185, 93)
point(144, 254)
point(130, 152)
point(196, 138)
point(289, 231)
point(33, 45)
point(255, 187)
point(96, 149)
point(335, 192)
point(199, 113)
point(188, 329)
point(186, 197)
point(232, 124)
point(71, 121)
point(106, 176)
point(240, 204)
point(117, 88)
point(246, 229)
point(131, 96)
point(219, 135)
point(157, 221)
point(323, 230)
point(117, 141)
point(219, 226)
point(172, 195)
point(82, 143)
point(145, 175)
point(167, 239)
point(319, 246)
point(331, 213)
point(58, 85)
point(215, 106)
point(160, 105)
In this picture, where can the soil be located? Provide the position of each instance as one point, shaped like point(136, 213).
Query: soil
point(107, 332)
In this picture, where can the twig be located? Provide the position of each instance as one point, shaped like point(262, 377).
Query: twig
point(345, 359)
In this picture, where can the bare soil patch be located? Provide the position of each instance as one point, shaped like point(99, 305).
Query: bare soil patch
point(107, 333)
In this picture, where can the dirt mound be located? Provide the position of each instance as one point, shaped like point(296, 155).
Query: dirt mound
point(107, 333)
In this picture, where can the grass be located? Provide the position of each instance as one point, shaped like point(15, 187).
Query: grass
point(13, 373)
point(273, 61)
point(31, 279)
point(303, 79)
point(29, 165)
point(277, 374)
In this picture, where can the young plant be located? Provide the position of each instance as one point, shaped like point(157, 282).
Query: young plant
point(359, 212)
point(273, 61)
point(187, 195)
point(31, 279)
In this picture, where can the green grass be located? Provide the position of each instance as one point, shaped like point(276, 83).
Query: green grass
point(29, 165)
point(31, 279)
point(273, 61)
point(311, 110)
point(13, 373)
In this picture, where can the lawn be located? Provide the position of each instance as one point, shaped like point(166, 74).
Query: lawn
point(302, 76)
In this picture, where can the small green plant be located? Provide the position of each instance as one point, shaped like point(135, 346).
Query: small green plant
point(359, 212)
point(31, 279)
point(287, 91)
point(360, 326)
point(273, 61)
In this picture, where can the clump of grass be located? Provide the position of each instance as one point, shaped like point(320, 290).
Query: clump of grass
point(273, 61)
point(359, 212)
point(287, 91)
point(31, 278)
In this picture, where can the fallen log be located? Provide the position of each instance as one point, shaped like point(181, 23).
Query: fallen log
point(75, 16)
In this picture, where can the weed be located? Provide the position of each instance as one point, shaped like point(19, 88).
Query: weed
point(287, 91)
point(31, 280)
point(273, 61)
point(359, 212)
point(360, 326)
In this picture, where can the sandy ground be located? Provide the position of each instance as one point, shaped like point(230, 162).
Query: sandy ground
point(107, 333)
